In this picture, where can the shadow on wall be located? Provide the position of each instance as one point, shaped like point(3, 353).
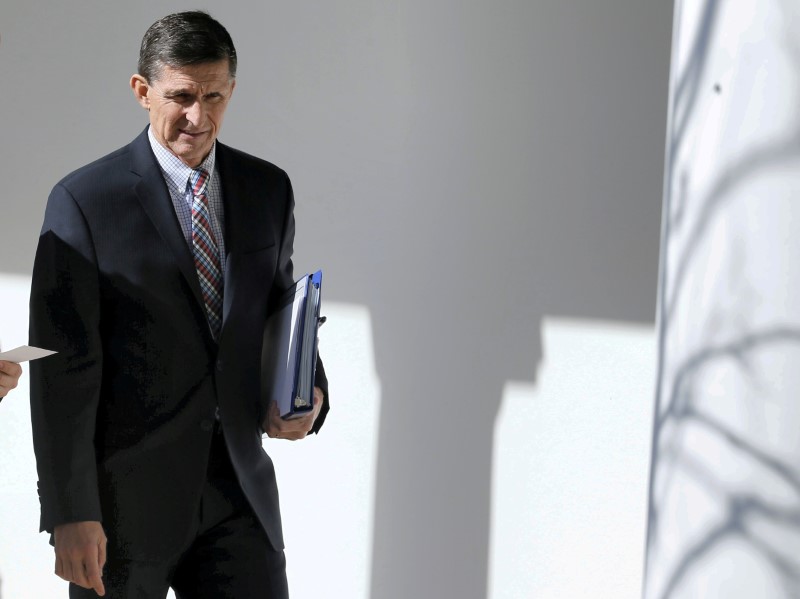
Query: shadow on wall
point(491, 201)
point(724, 516)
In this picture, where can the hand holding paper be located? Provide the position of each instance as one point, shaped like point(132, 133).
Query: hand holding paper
point(9, 376)
point(10, 370)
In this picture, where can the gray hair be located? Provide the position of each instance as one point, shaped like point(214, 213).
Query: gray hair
point(183, 39)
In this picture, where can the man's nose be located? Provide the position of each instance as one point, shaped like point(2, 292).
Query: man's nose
point(195, 112)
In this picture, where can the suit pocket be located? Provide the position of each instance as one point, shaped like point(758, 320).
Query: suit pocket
point(267, 245)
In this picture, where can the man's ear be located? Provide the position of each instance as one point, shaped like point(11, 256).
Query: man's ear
point(140, 88)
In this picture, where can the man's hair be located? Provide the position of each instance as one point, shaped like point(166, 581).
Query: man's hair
point(183, 39)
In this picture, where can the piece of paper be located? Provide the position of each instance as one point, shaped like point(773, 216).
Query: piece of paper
point(24, 353)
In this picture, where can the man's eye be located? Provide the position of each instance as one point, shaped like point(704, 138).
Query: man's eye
point(214, 98)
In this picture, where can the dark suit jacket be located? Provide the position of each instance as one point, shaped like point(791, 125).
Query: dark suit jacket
point(123, 415)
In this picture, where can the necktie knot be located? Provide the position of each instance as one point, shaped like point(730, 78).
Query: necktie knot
point(198, 180)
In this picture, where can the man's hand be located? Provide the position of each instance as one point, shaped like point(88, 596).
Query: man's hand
point(9, 376)
point(81, 554)
point(296, 428)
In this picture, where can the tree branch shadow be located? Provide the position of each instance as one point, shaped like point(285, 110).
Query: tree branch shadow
point(676, 404)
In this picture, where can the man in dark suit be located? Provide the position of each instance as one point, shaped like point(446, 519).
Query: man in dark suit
point(9, 377)
point(155, 271)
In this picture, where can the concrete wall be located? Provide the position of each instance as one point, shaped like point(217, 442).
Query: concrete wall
point(462, 170)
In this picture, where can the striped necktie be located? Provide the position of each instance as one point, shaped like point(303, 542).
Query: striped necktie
point(206, 251)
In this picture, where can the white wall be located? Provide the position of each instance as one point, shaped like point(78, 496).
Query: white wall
point(725, 496)
point(508, 154)
point(570, 467)
point(26, 560)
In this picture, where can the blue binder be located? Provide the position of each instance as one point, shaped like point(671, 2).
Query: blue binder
point(289, 349)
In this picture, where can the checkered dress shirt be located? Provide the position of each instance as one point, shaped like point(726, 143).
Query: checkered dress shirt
point(176, 174)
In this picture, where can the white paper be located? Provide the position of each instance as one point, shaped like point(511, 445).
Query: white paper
point(24, 353)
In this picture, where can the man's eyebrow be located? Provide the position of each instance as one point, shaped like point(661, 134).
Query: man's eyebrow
point(177, 91)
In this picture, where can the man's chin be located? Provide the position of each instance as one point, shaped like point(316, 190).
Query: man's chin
point(190, 154)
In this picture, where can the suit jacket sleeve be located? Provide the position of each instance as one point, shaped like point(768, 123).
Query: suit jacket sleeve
point(65, 387)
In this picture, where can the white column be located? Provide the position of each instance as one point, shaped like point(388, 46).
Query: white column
point(724, 516)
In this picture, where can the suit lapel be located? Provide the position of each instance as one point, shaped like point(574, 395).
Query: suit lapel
point(152, 193)
point(232, 188)
point(246, 229)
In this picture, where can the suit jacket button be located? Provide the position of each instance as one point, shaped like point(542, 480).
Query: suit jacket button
point(206, 425)
point(219, 365)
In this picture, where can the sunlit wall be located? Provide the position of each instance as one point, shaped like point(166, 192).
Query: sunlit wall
point(571, 457)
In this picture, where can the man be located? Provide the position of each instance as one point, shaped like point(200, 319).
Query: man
point(155, 271)
point(9, 377)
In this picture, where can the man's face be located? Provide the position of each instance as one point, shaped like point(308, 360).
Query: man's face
point(186, 106)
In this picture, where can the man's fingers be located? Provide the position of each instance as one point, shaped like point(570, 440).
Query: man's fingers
point(9, 377)
point(295, 426)
point(11, 368)
point(288, 435)
point(78, 570)
point(85, 571)
point(93, 577)
point(66, 570)
point(293, 429)
point(80, 553)
point(101, 554)
point(60, 568)
point(7, 383)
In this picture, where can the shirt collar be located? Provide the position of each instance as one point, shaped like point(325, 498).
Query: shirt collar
point(176, 172)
